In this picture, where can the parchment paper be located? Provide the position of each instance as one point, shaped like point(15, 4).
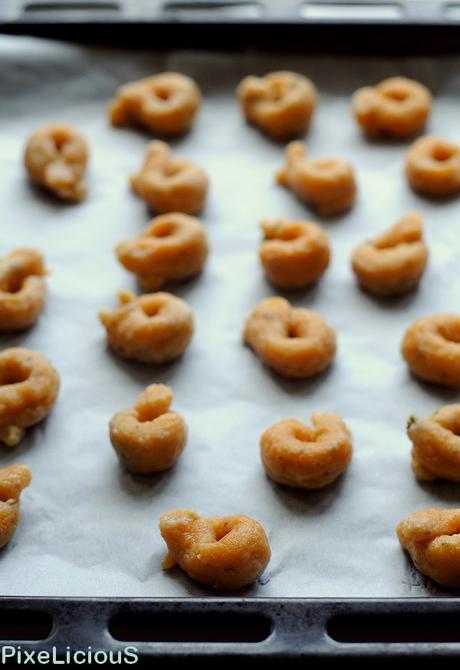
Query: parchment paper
point(90, 529)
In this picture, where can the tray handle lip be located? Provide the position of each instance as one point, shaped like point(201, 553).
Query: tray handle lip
point(29, 13)
point(298, 625)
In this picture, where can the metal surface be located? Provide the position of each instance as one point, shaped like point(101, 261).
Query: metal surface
point(321, 25)
point(256, 630)
point(297, 629)
point(219, 11)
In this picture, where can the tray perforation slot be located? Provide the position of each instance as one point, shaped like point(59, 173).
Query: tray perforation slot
point(25, 625)
point(215, 10)
point(410, 627)
point(75, 7)
point(452, 11)
point(200, 627)
point(352, 11)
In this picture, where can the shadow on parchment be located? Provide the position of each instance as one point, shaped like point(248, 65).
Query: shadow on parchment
point(299, 386)
point(144, 373)
point(308, 502)
point(444, 394)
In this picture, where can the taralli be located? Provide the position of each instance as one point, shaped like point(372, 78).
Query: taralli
point(55, 158)
point(172, 248)
point(153, 328)
point(433, 167)
point(225, 553)
point(165, 103)
point(432, 538)
point(431, 347)
point(29, 385)
point(436, 444)
point(22, 289)
point(281, 103)
point(168, 185)
point(397, 107)
point(394, 262)
point(149, 437)
point(327, 184)
point(305, 457)
point(13, 480)
point(296, 343)
point(293, 254)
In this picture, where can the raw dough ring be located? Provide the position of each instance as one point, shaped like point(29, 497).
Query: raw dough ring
point(29, 385)
point(55, 158)
point(169, 185)
point(302, 457)
point(149, 437)
point(431, 347)
point(13, 479)
point(281, 103)
point(432, 538)
point(433, 167)
point(296, 343)
point(225, 553)
point(394, 262)
point(397, 107)
point(165, 103)
point(22, 289)
point(326, 184)
point(153, 328)
point(173, 248)
point(436, 444)
point(293, 254)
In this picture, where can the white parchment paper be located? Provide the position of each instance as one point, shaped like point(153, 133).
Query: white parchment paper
point(90, 529)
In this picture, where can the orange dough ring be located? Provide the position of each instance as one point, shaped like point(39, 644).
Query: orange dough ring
point(432, 538)
point(300, 456)
point(29, 385)
point(153, 328)
point(326, 184)
point(296, 343)
point(22, 289)
point(172, 248)
point(281, 103)
point(166, 104)
point(294, 254)
point(149, 437)
point(394, 262)
point(225, 553)
point(55, 158)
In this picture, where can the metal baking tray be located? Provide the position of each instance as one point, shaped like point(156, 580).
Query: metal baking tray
point(261, 629)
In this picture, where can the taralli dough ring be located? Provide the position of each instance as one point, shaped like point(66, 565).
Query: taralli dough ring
point(55, 158)
point(394, 262)
point(293, 254)
point(225, 553)
point(436, 444)
point(22, 289)
point(29, 385)
point(169, 185)
point(172, 248)
point(149, 437)
point(431, 347)
point(433, 167)
point(153, 328)
point(397, 107)
point(296, 343)
point(13, 480)
point(281, 103)
point(305, 457)
point(326, 184)
point(432, 538)
point(166, 104)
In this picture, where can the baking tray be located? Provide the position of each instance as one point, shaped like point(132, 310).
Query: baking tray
point(245, 627)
